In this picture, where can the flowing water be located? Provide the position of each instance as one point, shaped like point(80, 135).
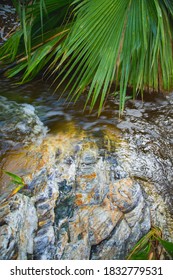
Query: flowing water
point(49, 143)
point(147, 126)
point(30, 111)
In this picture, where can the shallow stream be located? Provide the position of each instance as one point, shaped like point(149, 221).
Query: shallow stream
point(40, 132)
point(147, 126)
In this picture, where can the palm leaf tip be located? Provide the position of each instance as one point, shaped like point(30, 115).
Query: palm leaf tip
point(115, 44)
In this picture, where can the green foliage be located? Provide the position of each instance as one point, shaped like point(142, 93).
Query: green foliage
point(121, 42)
point(126, 42)
point(15, 178)
point(168, 246)
point(151, 247)
point(18, 181)
point(43, 26)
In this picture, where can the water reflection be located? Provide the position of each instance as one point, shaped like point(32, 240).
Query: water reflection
point(55, 112)
point(146, 126)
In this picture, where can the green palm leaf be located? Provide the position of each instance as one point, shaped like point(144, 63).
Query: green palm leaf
point(147, 247)
point(114, 42)
point(168, 246)
point(123, 42)
point(38, 38)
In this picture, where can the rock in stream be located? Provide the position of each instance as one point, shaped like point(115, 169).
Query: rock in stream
point(85, 198)
point(19, 125)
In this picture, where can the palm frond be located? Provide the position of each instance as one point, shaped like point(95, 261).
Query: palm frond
point(120, 42)
point(43, 27)
point(126, 42)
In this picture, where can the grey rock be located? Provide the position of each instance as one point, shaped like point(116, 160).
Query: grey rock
point(125, 194)
point(113, 247)
point(78, 251)
point(145, 221)
point(90, 198)
point(44, 245)
point(136, 214)
point(74, 214)
point(134, 237)
point(19, 229)
point(24, 128)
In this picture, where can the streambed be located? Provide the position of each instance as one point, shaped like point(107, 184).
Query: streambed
point(94, 185)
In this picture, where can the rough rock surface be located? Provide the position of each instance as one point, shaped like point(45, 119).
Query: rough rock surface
point(19, 125)
point(148, 158)
point(17, 228)
point(90, 196)
point(81, 205)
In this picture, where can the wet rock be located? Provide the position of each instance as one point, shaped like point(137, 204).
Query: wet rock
point(88, 197)
point(80, 206)
point(113, 247)
point(145, 221)
point(125, 194)
point(45, 198)
point(88, 157)
point(102, 221)
point(7, 248)
point(78, 251)
point(44, 244)
point(148, 158)
point(136, 214)
point(119, 173)
point(23, 128)
point(134, 236)
point(16, 235)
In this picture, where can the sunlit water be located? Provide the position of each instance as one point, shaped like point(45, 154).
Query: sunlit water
point(54, 111)
point(147, 126)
